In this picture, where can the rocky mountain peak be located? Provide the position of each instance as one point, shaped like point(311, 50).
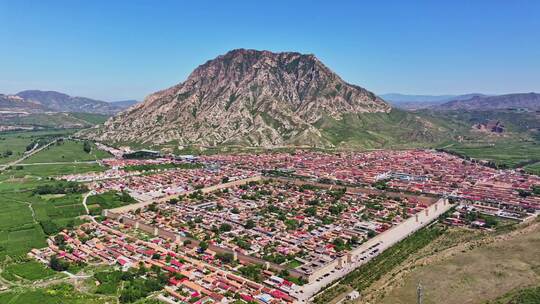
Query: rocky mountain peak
point(249, 97)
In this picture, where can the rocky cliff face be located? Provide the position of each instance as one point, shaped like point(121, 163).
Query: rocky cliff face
point(246, 97)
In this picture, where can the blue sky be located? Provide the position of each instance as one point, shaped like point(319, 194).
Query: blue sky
point(114, 50)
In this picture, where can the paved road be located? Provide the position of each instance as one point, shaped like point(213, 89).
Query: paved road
point(386, 239)
point(85, 198)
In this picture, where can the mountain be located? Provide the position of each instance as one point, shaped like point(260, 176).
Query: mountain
point(124, 103)
point(247, 97)
point(526, 101)
point(415, 102)
point(60, 102)
point(17, 120)
point(12, 103)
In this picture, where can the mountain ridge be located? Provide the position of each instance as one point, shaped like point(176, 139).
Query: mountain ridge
point(61, 102)
point(529, 101)
point(248, 97)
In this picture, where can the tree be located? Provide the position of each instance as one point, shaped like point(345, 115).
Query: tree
point(310, 211)
point(523, 193)
point(203, 246)
point(250, 224)
point(57, 264)
point(225, 227)
point(87, 147)
point(225, 257)
point(49, 227)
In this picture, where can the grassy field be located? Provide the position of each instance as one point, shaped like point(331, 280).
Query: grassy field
point(28, 270)
point(22, 216)
point(91, 118)
point(533, 168)
point(57, 294)
point(17, 141)
point(480, 271)
point(54, 120)
point(522, 296)
point(66, 151)
point(108, 200)
point(506, 152)
point(46, 170)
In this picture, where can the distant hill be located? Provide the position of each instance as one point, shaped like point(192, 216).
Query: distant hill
point(14, 120)
point(124, 103)
point(519, 101)
point(60, 102)
point(11, 103)
point(415, 102)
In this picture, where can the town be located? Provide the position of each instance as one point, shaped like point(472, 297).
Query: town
point(277, 227)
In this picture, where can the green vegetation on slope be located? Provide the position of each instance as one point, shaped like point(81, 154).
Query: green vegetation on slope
point(91, 118)
point(473, 271)
point(397, 129)
point(522, 296)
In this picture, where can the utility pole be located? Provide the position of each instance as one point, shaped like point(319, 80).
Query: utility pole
point(419, 294)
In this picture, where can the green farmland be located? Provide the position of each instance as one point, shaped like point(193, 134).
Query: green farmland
point(17, 142)
point(533, 168)
point(28, 270)
point(56, 294)
point(26, 218)
point(504, 152)
point(108, 200)
point(66, 151)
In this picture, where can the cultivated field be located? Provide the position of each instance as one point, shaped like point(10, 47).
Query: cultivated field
point(25, 215)
point(502, 152)
point(28, 270)
point(17, 142)
point(108, 200)
point(57, 294)
point(533, 168)
point(66, 151)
